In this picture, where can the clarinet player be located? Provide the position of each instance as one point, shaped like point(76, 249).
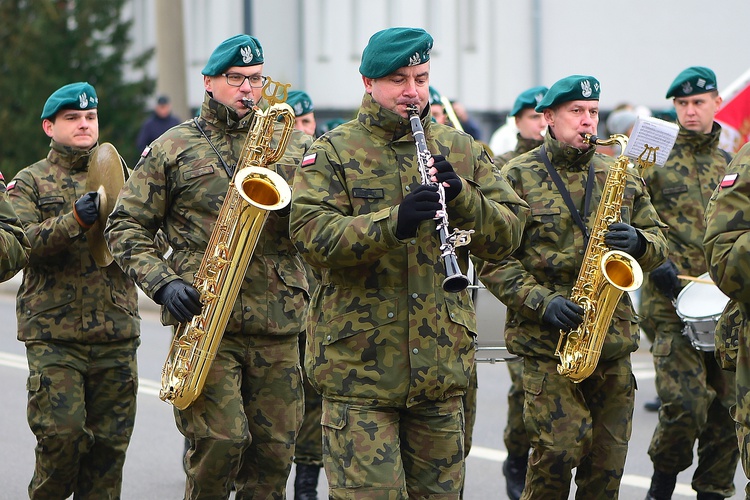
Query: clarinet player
point(390, 350)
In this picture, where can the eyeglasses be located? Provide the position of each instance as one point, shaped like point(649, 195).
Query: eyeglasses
point(236, 80)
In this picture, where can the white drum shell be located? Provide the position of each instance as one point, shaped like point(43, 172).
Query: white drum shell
point(700, 305)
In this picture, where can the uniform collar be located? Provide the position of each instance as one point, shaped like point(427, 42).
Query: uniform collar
point(566, 157)
point(222, 116)
point(68, 157)
point(387, 124)
point(698, 141)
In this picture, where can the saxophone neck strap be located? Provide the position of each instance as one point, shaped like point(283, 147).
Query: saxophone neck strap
point(230, 171)
point(566, 194)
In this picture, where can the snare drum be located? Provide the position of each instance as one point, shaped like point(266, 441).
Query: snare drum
point(700, 305)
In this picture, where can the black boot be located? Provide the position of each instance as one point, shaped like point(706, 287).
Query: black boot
point(702, 495)
point(662, 486)
point(514, 470)
point(653, 405)
point(306, 482)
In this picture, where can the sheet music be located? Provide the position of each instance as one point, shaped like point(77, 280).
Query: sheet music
point(654, 133)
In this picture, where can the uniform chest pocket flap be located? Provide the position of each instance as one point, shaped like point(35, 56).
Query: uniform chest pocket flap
point(360, 320)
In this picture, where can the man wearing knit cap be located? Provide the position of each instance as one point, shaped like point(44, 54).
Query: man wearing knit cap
point(583, 426)
point(696, 394)
point(390, 351)
point(78, 320)
point(243, 426)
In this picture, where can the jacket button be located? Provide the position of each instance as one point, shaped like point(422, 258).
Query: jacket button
point(414, 295)
point(415, 350)
point(390, 314)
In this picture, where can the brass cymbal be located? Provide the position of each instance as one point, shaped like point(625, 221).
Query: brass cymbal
point(106, 176)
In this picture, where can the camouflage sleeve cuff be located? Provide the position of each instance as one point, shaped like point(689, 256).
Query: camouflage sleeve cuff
point(387, 220)
point(536, 301)
point(71, 225)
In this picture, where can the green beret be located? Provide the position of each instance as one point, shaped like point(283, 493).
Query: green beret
point(435, 96)
point(528, 99)
point(394, 48)
point(692, 81)
point(79, 95)
point(240, 50)
point(570, 88)
point(300, 102)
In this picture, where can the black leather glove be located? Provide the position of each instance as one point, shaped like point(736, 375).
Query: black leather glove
point(445, 173)
point(625, 237)
point(421, 204)
point(563, 314)
point(86, 209)
point(180, 299)
point(665, 279)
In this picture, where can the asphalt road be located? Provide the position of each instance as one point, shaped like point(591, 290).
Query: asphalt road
point(153, 469)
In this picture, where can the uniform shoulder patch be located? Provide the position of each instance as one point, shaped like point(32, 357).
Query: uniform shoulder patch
point(145, 151)
point(729, 180)
point(309, 159)
point(11, 185)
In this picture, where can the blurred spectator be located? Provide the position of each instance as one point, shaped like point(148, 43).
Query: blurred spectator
point(159, 122)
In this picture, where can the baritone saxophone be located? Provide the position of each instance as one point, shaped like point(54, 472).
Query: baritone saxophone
point(254, 191)
point(605, 274)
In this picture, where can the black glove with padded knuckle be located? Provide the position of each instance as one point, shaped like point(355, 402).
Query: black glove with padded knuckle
point(563, 314)
point(445, 173)
point(421, 204)
point(626, 238)
point(665, 279)
point(86, 209)
point(181, 300)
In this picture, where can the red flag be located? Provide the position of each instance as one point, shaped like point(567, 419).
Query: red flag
point(734, 114)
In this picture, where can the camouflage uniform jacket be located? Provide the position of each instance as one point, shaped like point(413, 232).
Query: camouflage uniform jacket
point(383, 330)
point(522, 146)
point(680, 192)
point(179, 185)
point(64, 294)
point(726, 248)
point(14, 245)
point(551, 253)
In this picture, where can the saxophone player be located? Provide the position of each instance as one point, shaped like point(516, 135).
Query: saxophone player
point(242, 428)
point(388, 348)
point(571, 425)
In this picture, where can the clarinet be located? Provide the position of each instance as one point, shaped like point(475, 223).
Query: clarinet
point(455, 280)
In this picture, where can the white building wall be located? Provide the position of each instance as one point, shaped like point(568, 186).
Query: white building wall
point(484, 49)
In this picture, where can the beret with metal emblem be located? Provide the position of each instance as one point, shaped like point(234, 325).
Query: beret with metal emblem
point(692, 81)
point(570, 88)
point(300, 102)
point(79, 95)
point(435, 97)
point(528, 99)
point(240, 50)
point(394, 48)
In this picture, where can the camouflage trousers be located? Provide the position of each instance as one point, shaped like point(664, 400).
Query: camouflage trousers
point(243, 426)
point(308, 449)
point(470, 409)
point(373, 453)
point(584, 426)
point(514, 436)
point(81, 408)
point(741, 412)
point(696, 395)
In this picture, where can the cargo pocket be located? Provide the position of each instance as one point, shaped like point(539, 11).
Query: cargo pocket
point(38, 411)
point(341, 463)
point(536, 414)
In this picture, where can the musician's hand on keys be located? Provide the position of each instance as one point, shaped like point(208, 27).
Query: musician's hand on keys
point(421, 204)
point(86, 209)
point(442, 171)
point(624, 237)
point(665, 279)
point(563, 314)
point(181, 300)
